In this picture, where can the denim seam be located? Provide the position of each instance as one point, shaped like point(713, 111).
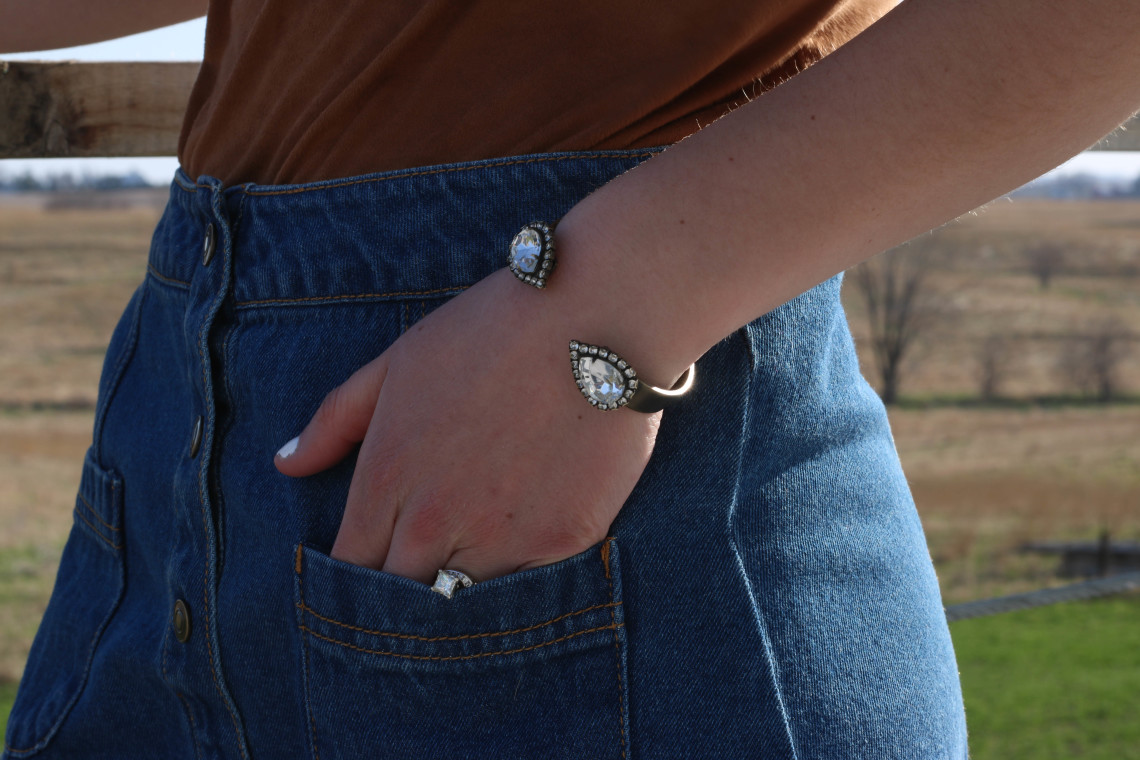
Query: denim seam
point(305, 658)
point(168, 280)
point(120, 368)
point(97, 532)
point(220, 436)
point(438, 658)
point(349, 296)
point(188, 188)
point(206, 576)
point(536, 626)
point(87, 504)
point(190, 717)
point(622, 728)
point(203, 476)
point(761, 625)
point(308, 705)
point(240, 213)
point(454, 169)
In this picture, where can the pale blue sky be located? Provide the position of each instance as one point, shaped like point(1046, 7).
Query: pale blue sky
point(183, 42)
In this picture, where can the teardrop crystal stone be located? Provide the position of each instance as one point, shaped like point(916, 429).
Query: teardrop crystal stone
point(526, 250)
point(601, 380)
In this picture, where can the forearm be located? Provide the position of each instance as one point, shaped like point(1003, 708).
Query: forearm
point(938, 108)
point(48, 24)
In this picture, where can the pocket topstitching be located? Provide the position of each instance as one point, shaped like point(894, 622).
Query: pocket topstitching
point(528, 665)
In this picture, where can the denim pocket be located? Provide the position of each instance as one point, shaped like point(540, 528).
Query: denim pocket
point(88, 588)
point(524, 666)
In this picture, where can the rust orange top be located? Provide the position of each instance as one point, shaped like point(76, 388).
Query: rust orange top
point(296, 91)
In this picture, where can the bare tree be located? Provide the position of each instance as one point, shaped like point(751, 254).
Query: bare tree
point(1045, 260)
point(900, 303)
point(1091, 362)
point(993, 365)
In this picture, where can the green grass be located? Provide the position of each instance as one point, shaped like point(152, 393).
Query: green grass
point(7, 697)
point(1054, 683)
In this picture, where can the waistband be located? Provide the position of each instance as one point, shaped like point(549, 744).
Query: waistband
point(414, 232)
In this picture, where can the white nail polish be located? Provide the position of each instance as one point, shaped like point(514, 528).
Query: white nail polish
point(288, 449)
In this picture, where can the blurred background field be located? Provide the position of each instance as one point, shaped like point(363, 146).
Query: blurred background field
point(1035, 457)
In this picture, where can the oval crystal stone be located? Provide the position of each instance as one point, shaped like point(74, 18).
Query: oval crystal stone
point(601, 380)
point(526, 249)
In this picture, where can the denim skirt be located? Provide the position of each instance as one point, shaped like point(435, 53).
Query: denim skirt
point(765, 592)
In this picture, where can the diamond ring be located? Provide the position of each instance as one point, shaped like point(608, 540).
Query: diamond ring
point(447, 581)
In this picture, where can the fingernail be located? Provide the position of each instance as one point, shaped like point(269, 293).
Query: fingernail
point(287, 450)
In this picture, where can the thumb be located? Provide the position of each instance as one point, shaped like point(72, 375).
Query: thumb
point(339, 424)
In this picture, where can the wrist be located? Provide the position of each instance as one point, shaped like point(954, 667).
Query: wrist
point(604, 294)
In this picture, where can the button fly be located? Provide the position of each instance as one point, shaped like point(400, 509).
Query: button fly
point(208, 245)
point(196, 437)
point(181, 621)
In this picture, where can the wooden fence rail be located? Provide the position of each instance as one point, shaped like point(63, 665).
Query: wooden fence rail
point(82, 110)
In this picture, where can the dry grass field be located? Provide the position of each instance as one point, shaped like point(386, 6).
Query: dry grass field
point(1042, 461)
point(980, 274)
point(1041, 464)
point(64, 276)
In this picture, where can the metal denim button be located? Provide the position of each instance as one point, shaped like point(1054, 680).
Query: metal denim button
point(181, 621)
point(196, 437)
point(208, 245)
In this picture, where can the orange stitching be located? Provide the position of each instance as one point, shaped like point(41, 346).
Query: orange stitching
point(351, 296)
point(91, 525)
point(617, 649)
point(298, 563)
point(457, 657)
point(13, 751)
point(453, 170)
point(97, 517)
point(159, 276)
point(308, 609)
point(187, 705)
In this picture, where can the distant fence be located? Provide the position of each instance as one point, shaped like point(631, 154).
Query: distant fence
point(81, 110)
point(1074, 592)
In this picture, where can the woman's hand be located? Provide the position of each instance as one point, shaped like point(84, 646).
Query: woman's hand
point(477, 451)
